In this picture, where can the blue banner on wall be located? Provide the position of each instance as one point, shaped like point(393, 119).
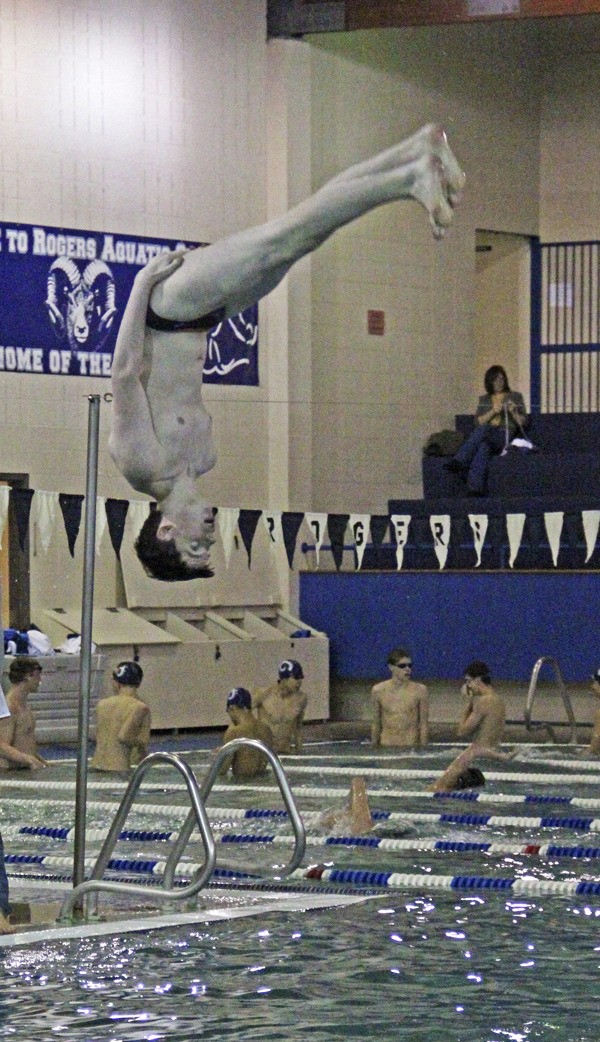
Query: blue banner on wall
point(63, 296)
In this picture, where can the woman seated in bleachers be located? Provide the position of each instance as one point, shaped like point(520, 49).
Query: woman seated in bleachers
point(500, 416)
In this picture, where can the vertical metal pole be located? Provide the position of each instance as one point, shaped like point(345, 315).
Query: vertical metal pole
point(87, 610)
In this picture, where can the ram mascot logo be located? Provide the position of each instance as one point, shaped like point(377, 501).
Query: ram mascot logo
point(237, 334)
point(81, 304)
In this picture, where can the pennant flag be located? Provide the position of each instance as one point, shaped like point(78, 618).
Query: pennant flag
point(100, 520)
point(139, 510)
point(116, 516)
point(318, 526)
point(379, 526)
point(400, 525)
point(4, 497)
point(272, 521)
point(553, 521)
point(71, 511)
point(44, 516)
point(228, 519)
point(247, 522)
point(440, 528)
point(360, 528)
point(591, 521)
point(515, 524)
point(291, 523)
point(336, 526)
point(21, 501)
point(479, 524)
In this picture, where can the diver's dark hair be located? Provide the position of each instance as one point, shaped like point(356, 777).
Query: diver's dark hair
point(161, 558)
point(478, 670)
point(396, 654)
point(490, 376)
point(470, 778)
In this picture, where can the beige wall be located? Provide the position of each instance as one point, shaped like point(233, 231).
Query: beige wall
point(569, 149)
point(377, 398)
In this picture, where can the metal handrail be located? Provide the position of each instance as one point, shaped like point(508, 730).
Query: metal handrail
point(209, 779)
point(548, 724)
point(198, 815)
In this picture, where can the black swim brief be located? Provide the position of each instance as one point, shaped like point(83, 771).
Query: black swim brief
point(169, 325)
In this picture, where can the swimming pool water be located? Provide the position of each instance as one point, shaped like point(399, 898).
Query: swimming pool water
point(457, 969)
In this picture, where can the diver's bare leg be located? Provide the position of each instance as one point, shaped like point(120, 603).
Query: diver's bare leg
point(236, 271)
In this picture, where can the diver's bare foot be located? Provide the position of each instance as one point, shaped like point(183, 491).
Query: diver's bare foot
point(439, 180)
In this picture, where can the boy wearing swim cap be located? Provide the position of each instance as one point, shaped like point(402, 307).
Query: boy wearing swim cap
point(123, 722)
point(246, 762)
point(281, 707)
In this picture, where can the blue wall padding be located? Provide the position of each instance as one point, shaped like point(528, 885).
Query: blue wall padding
point(447, 619)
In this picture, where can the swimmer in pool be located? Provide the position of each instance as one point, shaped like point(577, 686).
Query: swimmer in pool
point(484, 714)
point(161, 437)
point(400, 706)
point(461, 774)
point(282, 705)
point(593, 749)
point(123, 728)
point(246, 762)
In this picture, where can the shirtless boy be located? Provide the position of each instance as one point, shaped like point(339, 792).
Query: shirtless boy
point(123, 722)
point(484, 715)
point(18, 747)
point(400, 706)
point(161, 438)
point(281, 707)
point(594, 747)
point(247, 762)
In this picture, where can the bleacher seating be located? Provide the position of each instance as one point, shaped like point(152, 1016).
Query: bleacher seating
point(566, 463)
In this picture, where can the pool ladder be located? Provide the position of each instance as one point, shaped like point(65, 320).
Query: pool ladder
point(86, 894)
point(549, 725)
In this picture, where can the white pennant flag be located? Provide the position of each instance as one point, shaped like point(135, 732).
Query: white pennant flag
point(318, 526)
point(515, 524)
point(440, 529)
point(272, 522)
point(4, 494)
point(400, 524)
point(479, 524)
point(228, 519)
point(591, 521)
point(360, 526)
point(139, 510)
point(553, 521)
point(101, 520)
point(45, 506)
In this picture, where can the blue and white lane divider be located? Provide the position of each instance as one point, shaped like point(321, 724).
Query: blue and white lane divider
point(357, 877)
point(379, 842)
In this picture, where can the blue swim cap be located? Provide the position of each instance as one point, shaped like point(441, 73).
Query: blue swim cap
point(239, 697)
point(291, 669)
point(129, 674)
